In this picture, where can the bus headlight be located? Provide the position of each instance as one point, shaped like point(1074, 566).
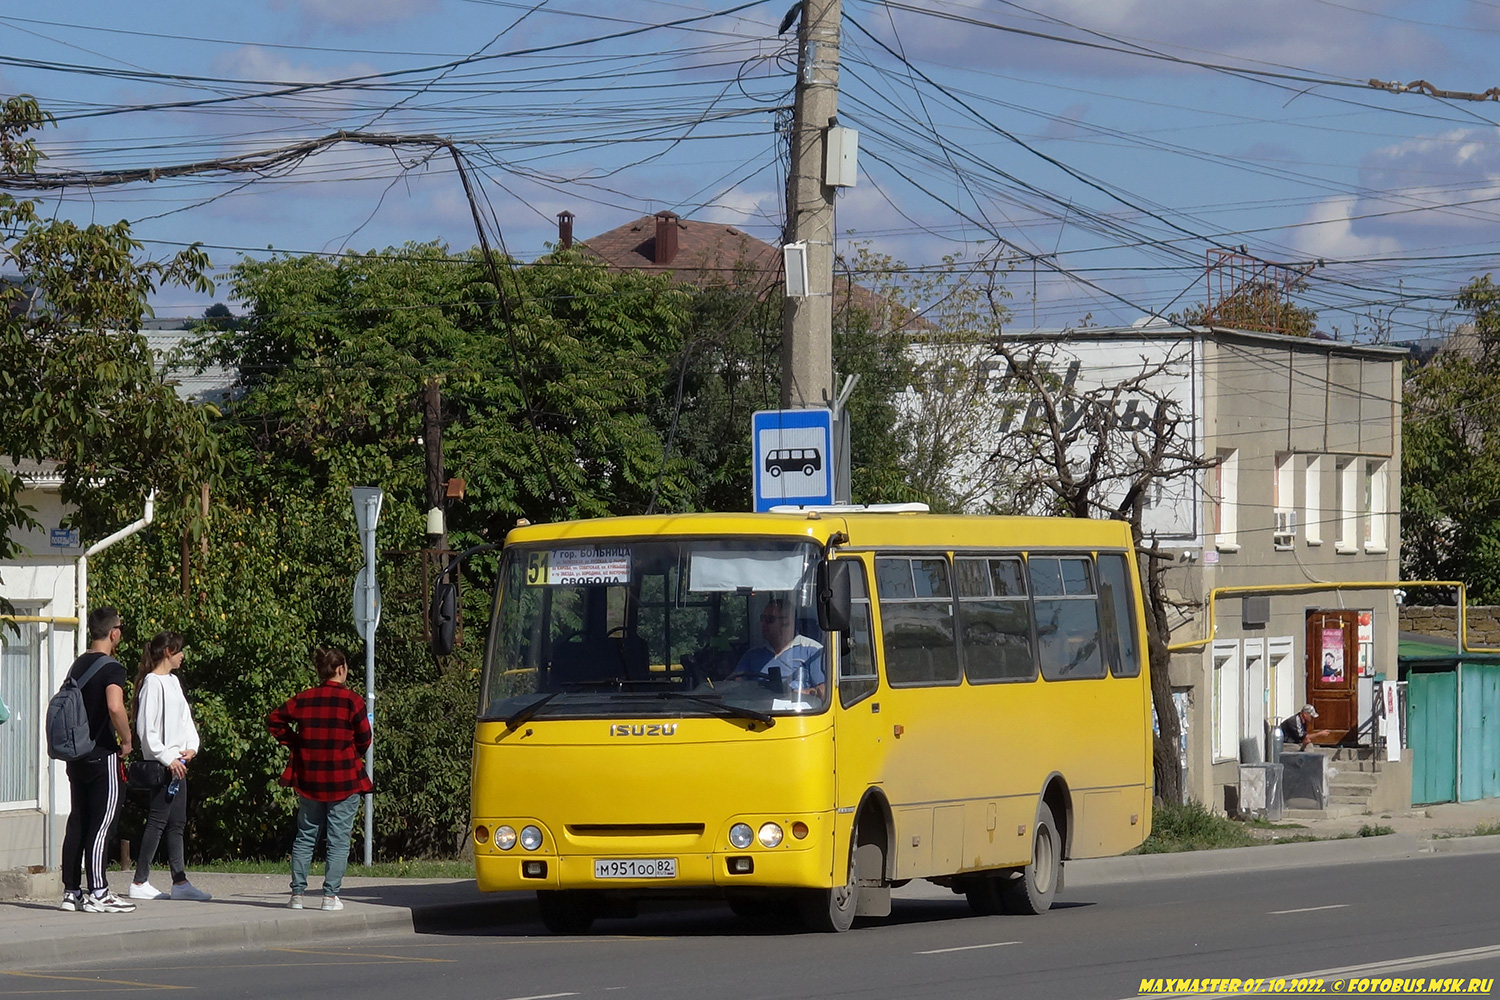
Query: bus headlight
point(481, 834)
point(505, 837)
point(770, 834)
point(531, 838)
point(740, 835)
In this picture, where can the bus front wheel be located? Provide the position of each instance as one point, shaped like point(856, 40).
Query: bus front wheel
point(566, 912)
point(1031, 889)
point(832, 910)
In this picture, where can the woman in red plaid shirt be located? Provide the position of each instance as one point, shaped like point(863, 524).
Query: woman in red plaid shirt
point(328, 733)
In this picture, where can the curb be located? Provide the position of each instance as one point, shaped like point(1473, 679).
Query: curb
point(286, 929)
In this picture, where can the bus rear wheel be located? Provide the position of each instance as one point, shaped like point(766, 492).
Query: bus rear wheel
point(565, 912)
point(1031, 889)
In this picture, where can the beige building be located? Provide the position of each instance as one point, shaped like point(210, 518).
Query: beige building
point(1302, 498)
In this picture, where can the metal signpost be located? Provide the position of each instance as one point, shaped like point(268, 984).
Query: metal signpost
point(367, 500)
point(793, 455)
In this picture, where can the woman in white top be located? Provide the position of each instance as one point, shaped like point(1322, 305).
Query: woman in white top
point(165, 727)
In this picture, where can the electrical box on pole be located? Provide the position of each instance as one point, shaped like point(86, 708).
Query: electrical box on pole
point(841, 157)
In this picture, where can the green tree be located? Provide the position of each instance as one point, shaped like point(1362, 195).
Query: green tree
point(1450, 456)
point(78, 385)
point(549, 402)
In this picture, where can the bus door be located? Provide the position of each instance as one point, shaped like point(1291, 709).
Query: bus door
point(862, 735)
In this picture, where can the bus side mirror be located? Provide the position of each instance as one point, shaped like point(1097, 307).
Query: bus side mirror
point(834, 595)
point(442, 617)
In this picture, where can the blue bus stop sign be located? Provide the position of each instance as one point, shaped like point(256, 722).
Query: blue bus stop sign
point(792, 451)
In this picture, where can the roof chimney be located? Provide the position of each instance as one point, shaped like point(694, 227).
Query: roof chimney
point(666, 237)
point(564, 230)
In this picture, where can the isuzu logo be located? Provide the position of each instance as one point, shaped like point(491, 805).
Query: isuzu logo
point(643, 729)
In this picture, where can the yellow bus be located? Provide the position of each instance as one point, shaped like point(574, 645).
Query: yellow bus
point(798, 711)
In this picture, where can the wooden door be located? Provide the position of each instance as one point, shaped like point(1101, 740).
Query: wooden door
point(1333, 674)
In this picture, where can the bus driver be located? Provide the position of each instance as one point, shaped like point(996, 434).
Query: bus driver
point(798, 658)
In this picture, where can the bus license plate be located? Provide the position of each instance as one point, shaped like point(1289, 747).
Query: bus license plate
point(635, 868)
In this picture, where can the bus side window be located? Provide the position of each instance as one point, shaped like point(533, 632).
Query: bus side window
point(916, 621)
point(994, 619)
point(1067, 617)
point(1117, 609)
point(857, 676)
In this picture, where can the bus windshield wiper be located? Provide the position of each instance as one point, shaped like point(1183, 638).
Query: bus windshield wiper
point(732, 711)
point(519, 718)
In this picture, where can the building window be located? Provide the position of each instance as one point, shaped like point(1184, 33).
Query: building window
point(1377, 486)
point(1224, 489)
point(1312, 508)
point(1226, 700)
point(1283, 512)
point(20, 736)
point(1349, 504)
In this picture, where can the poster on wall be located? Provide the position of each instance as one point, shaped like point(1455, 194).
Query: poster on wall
point(1333, 656)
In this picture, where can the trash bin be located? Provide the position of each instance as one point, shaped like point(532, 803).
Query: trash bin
point(1305, 780)
point(1260, 791)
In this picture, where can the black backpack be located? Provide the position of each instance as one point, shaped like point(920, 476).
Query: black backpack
point(69, 736)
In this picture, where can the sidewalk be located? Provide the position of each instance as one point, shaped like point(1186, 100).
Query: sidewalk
point(250, 910)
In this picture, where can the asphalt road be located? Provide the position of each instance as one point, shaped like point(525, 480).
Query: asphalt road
point(1428, 917)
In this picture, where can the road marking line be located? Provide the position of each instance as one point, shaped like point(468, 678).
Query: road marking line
point(1311, 909)
point(544, 996)
point(967, 947)
point(1403, 964)
point(359, 954)
point(90, 979)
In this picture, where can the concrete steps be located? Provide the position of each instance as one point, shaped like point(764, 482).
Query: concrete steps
point(1355, 776)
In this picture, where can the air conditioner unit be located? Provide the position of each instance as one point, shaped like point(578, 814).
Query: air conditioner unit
point(1284, 535)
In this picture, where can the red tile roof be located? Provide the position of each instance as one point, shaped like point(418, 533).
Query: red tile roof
point(711, 253)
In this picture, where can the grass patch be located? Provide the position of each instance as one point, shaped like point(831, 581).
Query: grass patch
point(1483, 830)
point(1192, 827)
point(400, 868)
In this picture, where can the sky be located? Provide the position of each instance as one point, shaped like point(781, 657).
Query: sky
point(1099, 152)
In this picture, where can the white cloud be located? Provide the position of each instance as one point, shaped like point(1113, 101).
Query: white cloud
point(252, 62)
point(742, 207)
point(1325, 38)
point(1328, 232)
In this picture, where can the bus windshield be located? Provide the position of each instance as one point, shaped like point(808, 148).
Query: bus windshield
point(658, 627)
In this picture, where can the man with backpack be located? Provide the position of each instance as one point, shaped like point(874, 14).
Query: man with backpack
point(94, 775)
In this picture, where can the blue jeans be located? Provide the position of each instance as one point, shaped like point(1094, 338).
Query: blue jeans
point(312, 818)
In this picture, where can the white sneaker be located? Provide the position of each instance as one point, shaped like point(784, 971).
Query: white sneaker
point(332, 903)
point(107, 903)
point(295, 903)
point(71, 902)
point(144, 890)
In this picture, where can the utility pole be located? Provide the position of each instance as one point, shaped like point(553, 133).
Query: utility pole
point(807, 328)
